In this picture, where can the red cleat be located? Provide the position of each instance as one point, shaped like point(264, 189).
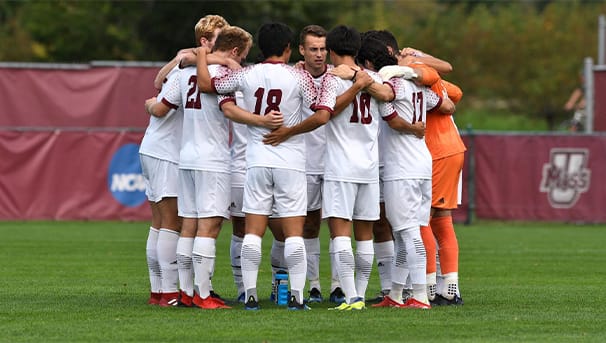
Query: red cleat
point(414, 303)
point(169, 299)
point(185, 300)
point(208, 303)
point(388, 302)
point(154, 298)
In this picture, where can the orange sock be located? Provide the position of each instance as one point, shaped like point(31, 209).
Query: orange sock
point(430, 247)
point(447, 241)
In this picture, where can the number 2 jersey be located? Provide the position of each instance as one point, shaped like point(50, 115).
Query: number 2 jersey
point(272, 86)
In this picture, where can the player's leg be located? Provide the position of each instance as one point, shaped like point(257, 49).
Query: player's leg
point(155, 275)
point(237, 221)
point(167, 251)
point(384, 252)
point(276, 255)
point(311, 233)
point(187, 210)
point(445, 198)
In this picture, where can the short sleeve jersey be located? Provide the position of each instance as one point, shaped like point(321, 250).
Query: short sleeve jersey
point(441, 135)
point(352, 152)
point(315, 141)
point(238, 143)
point(272, 86)
point(406, 156)
point(205, 142)
point(162, 139)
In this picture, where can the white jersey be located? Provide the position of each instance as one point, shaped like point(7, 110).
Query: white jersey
point(265, 87)
point(315, 141)
point(205, 143)
point(352, 151)
point(239, 134)
point(162, 139)
point(405, 155)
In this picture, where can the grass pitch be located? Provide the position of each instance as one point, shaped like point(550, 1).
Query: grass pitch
point(87, 281)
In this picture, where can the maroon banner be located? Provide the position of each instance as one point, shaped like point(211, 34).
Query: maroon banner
point(71, 175)
point(599, 106)
point(540, 177)
point(93, 97)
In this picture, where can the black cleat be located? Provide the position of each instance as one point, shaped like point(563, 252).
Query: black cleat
point(442, 301)
point(315, 296)
point(293, 305)
point(251, 304)
point(337, 296)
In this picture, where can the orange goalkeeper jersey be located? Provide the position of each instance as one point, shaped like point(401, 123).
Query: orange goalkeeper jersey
point(441, 134)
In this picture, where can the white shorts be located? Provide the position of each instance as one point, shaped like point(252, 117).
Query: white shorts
point(203, 194)
point(314, 192)
point(161, 178)
point(283, 190)
point(237, 197)
point(407, 203)
point(381, 192)
point(351, 201)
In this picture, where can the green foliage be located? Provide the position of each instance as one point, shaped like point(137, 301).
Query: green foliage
point(519, 56)
point(87, 282)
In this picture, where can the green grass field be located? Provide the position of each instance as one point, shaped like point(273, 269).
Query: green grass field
point(87, 281)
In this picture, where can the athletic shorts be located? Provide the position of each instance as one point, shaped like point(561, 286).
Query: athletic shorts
point(381, 185)
point(407, 203)
point(203, 194)
point(351, 201)
point(446, 176)
point(283, 190)
point(161, 178)
point(314, 192)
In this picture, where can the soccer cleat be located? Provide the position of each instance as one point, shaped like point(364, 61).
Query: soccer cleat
point(379, 297)
point(342, 307)
point(208, 303)
point(406, 294)
point(315, 296)
point(241, 298)
point(414, 303)
point(251, 304)
point(185, 300)
point(356, 305)
point(388, 302)
point(442, 301)
point(154, 298)
point(337, 296)
point(293, 305)
point(169, 299)
point(216, 296)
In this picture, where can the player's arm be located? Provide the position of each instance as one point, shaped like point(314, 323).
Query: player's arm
point(361, 80)
point(399, 124)
point(163, 72)
point(155, 108)
point(283, 133)
point(272, 120)
point(443, 67)
point(203, 76)
point(378, 91)
point(190, 59)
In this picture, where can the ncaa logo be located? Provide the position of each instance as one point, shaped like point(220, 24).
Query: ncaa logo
point(566, 176)
point(124, 178)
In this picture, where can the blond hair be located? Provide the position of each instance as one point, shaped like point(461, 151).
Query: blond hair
point(206, 26)
point(233, 37)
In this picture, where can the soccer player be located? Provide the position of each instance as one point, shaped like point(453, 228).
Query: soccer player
point(204, 160)
point(407, 177)
point(351, 189)
point(275, 176)
point(159, 153)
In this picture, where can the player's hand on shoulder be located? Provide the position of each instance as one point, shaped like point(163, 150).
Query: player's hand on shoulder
point(273, 119)
point(344, 72)
point(419, 129)
point(363, 79)
point(299, 65)
point(232, 64)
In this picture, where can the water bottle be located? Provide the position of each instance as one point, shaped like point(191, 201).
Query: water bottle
point(281, 287)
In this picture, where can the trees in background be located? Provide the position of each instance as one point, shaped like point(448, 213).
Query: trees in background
point(522, 56)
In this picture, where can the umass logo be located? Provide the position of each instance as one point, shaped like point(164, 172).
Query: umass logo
point(566, 176)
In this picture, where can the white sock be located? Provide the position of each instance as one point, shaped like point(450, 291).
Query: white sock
point(155, 275)
point(235, 249)
point(334, 274)
point(344, 260)
point(431, 286)
point(384, 252)
point(203, 256)
point(419, 292)
point(167, 259)
point(414, 261)
point(186, 271)
point(277, 257)
point(400, 271)
point(364, 257)
point(450, 287)
point(251, 260)
point(396, 292)
point(296, 260)
point(312, 249)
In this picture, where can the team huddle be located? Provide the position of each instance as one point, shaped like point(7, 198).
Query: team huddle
point(367, 143)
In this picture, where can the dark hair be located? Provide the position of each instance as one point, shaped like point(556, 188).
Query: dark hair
point(384, 36)
point(344, 41)
point(311, 30)
point(273, 38)
point(375, 52)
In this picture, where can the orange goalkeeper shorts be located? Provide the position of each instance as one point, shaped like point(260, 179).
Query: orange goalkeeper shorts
point(445, 181)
